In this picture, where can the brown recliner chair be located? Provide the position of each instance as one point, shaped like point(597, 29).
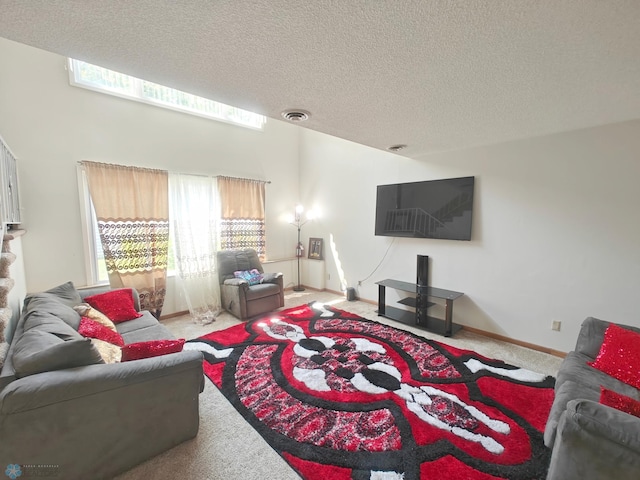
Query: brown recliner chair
point(238, 297)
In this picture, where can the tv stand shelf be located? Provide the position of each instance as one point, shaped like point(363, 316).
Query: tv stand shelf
point(419, 318)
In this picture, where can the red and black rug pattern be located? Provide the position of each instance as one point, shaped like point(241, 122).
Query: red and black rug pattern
point(340, 397)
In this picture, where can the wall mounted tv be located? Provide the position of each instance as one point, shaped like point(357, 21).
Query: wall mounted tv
point(429, 209)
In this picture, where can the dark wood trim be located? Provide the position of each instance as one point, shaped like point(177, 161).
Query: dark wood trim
point(495, 336)
point(173, 315)
point(477, 331)
point(532, 346)
point(366, 300)
point(290, 289)
point(342, 294)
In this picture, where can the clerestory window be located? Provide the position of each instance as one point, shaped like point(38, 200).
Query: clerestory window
point(93, 77)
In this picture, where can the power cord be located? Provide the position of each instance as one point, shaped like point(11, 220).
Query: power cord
point(380, 263)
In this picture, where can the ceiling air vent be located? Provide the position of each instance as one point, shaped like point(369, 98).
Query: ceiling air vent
point(296, 115)
point(396, 148)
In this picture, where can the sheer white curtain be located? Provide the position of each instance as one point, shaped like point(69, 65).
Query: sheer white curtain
point(193, 214)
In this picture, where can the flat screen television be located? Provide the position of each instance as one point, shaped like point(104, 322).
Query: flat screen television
point(430, 209)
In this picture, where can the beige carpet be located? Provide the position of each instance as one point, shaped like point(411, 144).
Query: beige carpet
point(227, 448)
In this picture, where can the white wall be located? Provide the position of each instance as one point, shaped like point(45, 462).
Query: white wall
point(50, 126)
point(555, 233)
point(555, 228)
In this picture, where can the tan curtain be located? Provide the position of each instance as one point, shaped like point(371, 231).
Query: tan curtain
point(242, 223)
point(132, 209)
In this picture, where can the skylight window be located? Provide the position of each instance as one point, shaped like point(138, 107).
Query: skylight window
point(93, 77)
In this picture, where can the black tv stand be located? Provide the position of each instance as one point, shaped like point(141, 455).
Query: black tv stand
point(419, 318)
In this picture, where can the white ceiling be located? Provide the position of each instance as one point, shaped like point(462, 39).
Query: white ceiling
point(435, 75)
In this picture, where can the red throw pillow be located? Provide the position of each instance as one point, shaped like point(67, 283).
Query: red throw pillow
point(619, 355)
point(115, 304)
point(619, 401)
point(152, 348)
point(92, 329)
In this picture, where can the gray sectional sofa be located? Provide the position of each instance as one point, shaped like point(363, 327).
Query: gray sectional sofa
point(81, 418)
point(591, 441)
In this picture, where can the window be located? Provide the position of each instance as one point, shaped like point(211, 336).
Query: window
point(242, 219)
point(96, 267)
point(243, 229)
point(93, 77)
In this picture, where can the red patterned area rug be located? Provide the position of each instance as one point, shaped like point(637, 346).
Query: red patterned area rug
point(340, 397)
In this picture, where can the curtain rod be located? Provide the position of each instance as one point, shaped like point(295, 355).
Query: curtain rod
point(242, 178)
point(181, 173)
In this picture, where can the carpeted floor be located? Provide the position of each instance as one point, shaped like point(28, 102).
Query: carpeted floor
point(227, 447)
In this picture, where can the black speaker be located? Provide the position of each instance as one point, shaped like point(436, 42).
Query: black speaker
point(423, 271)
point(351, 294)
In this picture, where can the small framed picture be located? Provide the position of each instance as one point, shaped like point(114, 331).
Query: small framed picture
point(315, 248)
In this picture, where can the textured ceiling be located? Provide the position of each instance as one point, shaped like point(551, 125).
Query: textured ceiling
point(435, 75)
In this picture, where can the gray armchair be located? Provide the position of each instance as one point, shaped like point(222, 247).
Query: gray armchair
point(238, 297)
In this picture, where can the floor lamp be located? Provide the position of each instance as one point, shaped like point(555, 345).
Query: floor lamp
point(298, 223)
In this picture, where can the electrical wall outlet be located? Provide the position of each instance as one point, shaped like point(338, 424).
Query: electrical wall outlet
point(328, 276)
point(555, 325)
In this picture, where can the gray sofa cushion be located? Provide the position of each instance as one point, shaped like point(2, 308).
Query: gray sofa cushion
point(155, 331)
point(607, 422)
point(40, 351)
point(591, 336)
point(48, 322)
point(568, 391)
point(262, 290)
point(146, 320)
point(65, 293)
point(44, 303)
point(574, 368)
point(595, 442)
point(58, 301)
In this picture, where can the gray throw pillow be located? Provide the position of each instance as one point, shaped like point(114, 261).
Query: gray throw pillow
point(48, 322)
point(45, 303)
point(65, 293)
point(38, 351)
